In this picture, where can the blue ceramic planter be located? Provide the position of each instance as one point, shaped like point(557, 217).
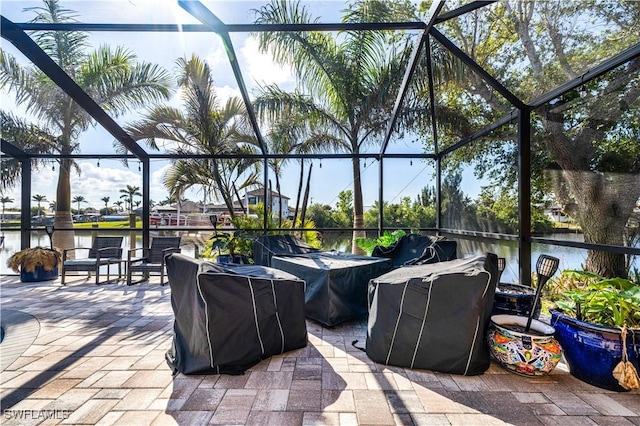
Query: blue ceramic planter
point(593, 351)
point(39, 275)
point(514, 299)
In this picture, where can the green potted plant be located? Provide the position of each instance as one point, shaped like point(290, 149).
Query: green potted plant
point(598, 327)
point(229, 247)
point(36, 263)
point(386, 239)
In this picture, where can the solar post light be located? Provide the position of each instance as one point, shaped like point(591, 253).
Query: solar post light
point(49, 229)
point(545, 268)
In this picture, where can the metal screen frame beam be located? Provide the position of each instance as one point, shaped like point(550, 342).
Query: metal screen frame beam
point(468, 61)
point(229, 28)
point(204, 15)
point(39, 58)
point(433, 12)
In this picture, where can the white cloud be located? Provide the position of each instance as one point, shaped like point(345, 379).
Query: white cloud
point(95, 182)
point(260, 68)
point(227, 92)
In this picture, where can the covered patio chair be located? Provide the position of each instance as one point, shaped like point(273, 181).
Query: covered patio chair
point(105, 251)
point(153, 258)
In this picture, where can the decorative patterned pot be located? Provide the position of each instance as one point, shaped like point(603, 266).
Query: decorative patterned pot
point(593, 351)
point(38, 275)
point(529, 354)
point(514, 299)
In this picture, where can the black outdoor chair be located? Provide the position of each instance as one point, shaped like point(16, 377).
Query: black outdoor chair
point(105, 251)
point(153, 258)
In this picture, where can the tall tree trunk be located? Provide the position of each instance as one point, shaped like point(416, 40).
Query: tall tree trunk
point(63, 218)
point(305, 200)
point(224, 192)
point(358, 207)
point(603, 204)
point(300, 182)
point(235, 190)
point(279, 200)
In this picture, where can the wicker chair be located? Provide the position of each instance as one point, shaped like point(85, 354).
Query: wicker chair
point(104, 251)
point(152, 259)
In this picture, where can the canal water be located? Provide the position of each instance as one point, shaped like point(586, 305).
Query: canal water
point(570, 258)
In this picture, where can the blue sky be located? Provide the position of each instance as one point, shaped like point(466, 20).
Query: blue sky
point(400, 179)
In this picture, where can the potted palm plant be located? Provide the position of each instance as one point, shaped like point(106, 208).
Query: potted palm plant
point(598, 326)
point(36, 263)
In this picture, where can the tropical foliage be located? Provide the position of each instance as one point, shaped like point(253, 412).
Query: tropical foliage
point(386, 239)
point(128, 193)
point(113, 76)
point(346, 84)
point(610, 302)
point(584, 144)
point(204, 126)
point(79, 199)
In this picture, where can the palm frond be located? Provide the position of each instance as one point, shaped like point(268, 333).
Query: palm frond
point(66, 48)
point(119, 83)
point(275, 104)
point(313, 55)
point(160, 123)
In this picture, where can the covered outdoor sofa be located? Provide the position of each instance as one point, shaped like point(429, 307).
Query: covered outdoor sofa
point(230, 317)
point(433, 316)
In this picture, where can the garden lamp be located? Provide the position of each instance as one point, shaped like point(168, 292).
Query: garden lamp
point(545, 268)
point(49, 229)
point(502, 264)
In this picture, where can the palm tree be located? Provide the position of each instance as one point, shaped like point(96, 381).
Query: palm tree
point(106, 204)
point(284, 138)
point(39, 198)
point(79, 199)
point(111, 75)
point(118, 205)
point(167, 201)
point(52, 206)
point(128, 193)
point(5, 200)
point(350, 81)
point(204, 127)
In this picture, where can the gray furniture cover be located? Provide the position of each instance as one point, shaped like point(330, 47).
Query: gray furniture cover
point(229, 317)
point(336, 283)
point(416, 249)
point(267, 246)
point(433, 316)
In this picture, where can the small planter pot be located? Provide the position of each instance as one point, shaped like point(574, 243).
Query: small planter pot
point(529, 354)
point(593, 351)
point(514, 299)
point(40, 274)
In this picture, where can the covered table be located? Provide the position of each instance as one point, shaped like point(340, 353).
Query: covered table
point(267, 246)
point(336, 283)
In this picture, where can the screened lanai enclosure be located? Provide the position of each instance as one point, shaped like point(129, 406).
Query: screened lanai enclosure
point(509, 126)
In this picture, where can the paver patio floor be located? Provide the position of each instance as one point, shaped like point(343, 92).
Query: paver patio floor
point(97, 357)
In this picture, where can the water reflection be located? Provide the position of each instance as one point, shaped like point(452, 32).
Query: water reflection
point(570, 258)
point(82, 239)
